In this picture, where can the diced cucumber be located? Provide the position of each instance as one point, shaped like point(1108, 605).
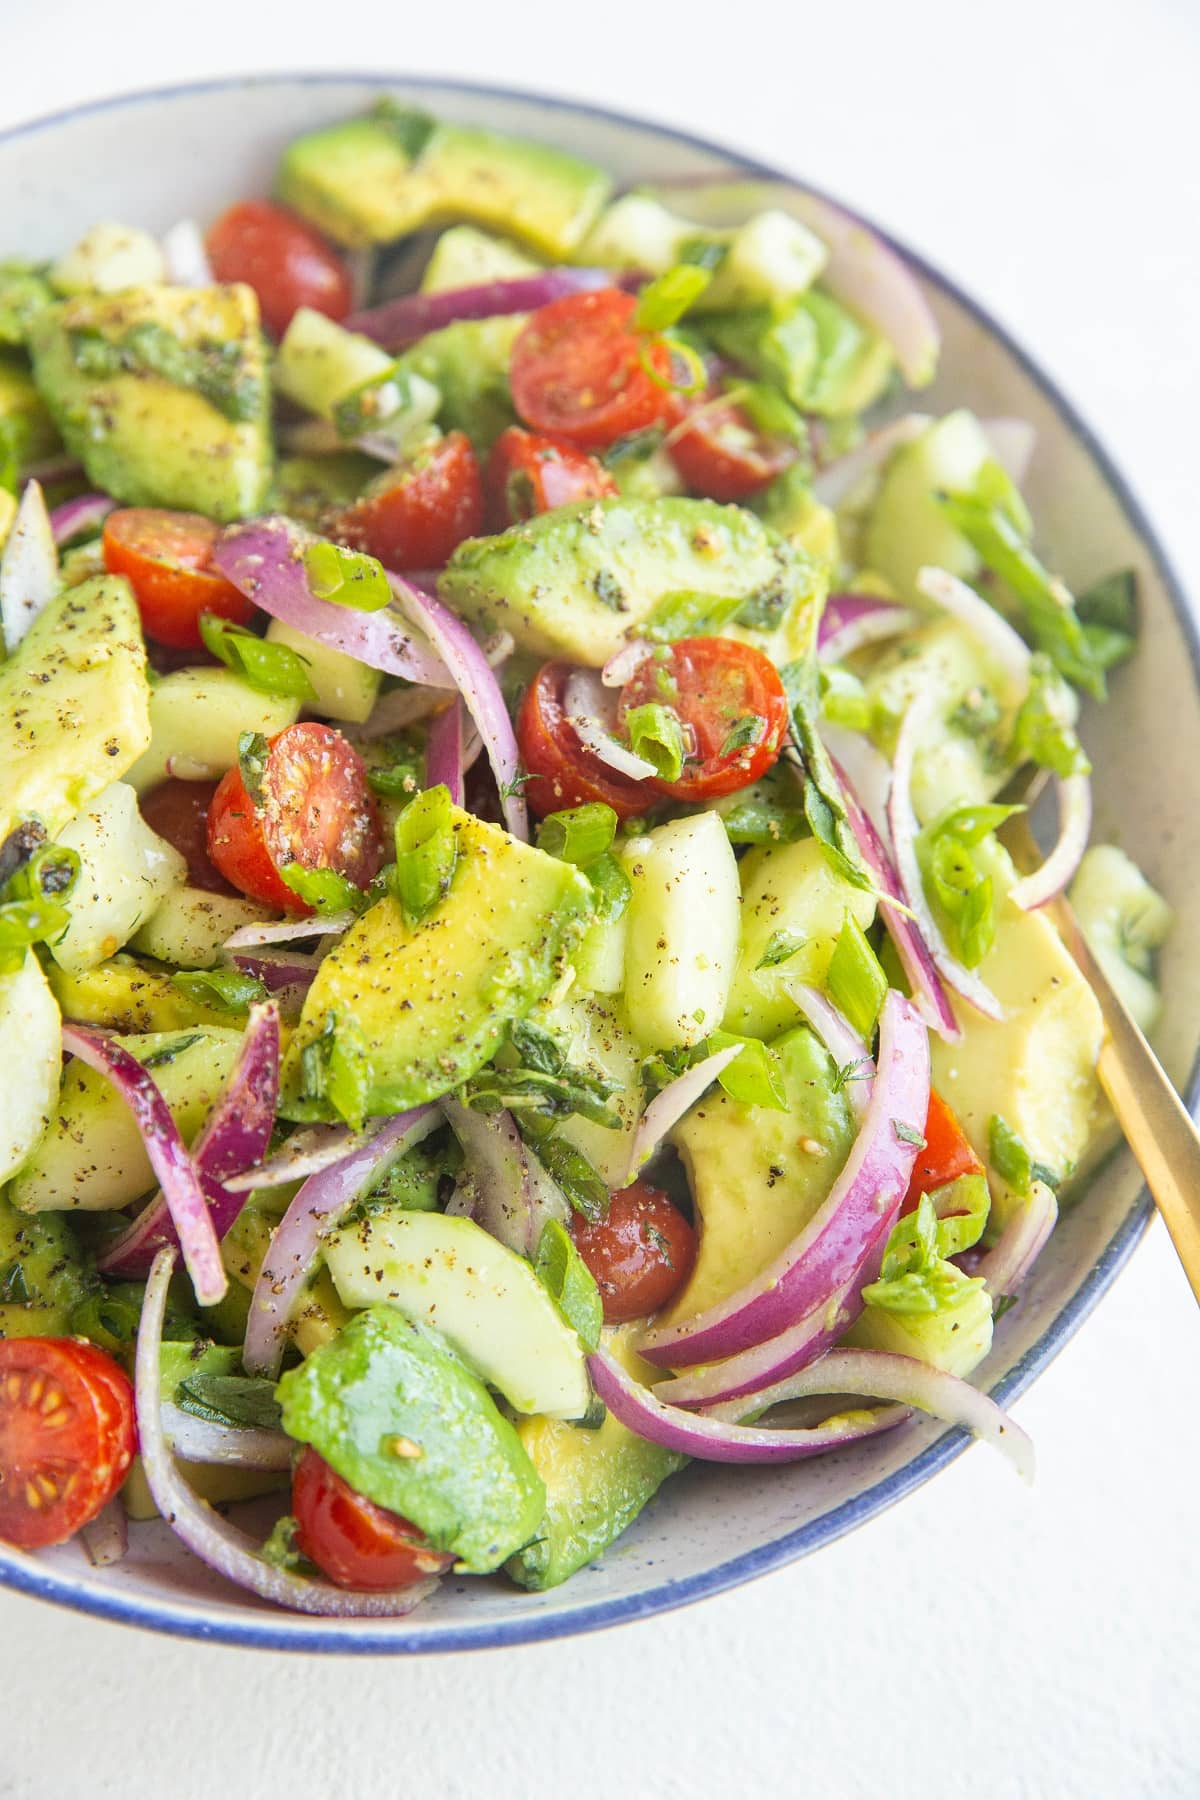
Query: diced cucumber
point(92, 1156)
point(319, 363)
point(29, 1026)
point(636, 232)
point(600, 958)
point(464, 256)
point(682, 946)
point(196, 719)
point(189, 927)
point(346, 689)
point(770, 258)
point(125, 870)
point(908, 527)
point(108, 259)
point(1125, 922)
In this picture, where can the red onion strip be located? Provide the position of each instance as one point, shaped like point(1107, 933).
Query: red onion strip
point(444, 751)
point(186, 256)
point(849, 622)
point(513, 1195)
point(279, 974)
point(285, 931)
point(842, 1042)
point(233, 1447)
point(1007, 649)
point(306, 1152)
point(398, 323)
point(74, 517)
point(1004, 1267)
point(668, 1107)
point(1074, 828)
point(837, 481)
point(590, 711)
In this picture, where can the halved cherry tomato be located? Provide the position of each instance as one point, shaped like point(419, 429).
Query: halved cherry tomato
point(946, 1155)
point(721, 454)
point(562, 773)
point(167, 557)
point(66, 1437)
point(639, 1254)
point(286, 263)
point(527, 474)
point(352, 1540)
point(731, 702)
point(178, 811)
point(579, 369)
point(415, 517)
point(315, 808)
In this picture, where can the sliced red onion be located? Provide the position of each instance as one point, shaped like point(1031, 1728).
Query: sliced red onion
point(407, 706)
point(106, 1537)
point(185, 255)
point(285, 931)
point(1074, 827)
point(264, 559)
point(513, 1195)
point(668, 1107)
point(837, 1243)
point(444, 751)
point(472, 675)
point(280, 975)
point(398, 323)
point(1005, 646)
point(867, 769)
point(928, 989)
point(842, 1042)
point(1004, 1267)
point(182, 1190)
point(885, 1376)
point(234, 1137)
point(213, 1539)
point(29, 577)
point(591, 713)
point(837, 481)
point(234, 1447)
point(320, 1204)
point(306, 1152)
point(624, 662)
point(903, 823)
point(1012, 443)
point(74, 517)
point(851, 621)
point(709, 1439)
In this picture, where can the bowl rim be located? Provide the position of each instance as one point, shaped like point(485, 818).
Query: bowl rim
point(267, 1630)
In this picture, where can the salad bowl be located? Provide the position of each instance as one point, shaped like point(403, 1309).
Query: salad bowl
point(155, 157)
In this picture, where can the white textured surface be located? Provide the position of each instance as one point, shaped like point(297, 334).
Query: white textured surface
point(978, 1640)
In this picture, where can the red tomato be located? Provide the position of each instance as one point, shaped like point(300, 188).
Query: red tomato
point(416, 516)
point(639, 1254)
point(721, 454)
point(527, 474)
point(286, 263)
point(562, 773)
point(715, 685)
point(316, 809)
point(66, 1437)
point(946, 1155)
point(178, 811)
point(352, 1540)
point(166, 556)
point(579, 369)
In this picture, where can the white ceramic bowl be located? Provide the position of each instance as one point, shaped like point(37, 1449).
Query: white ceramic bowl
point(149, 159)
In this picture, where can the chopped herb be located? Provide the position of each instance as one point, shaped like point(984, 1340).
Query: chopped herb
point(279, 1549)
point(656, 733)
point(579, 834)
point(1013, 1161)
point(862, 1070)
point(271, 668)
point(758, 821)
point(1044, 730)
point(569, 1282)
point(747, 731)
point(1003, 1303)
point(253, 751)
point(346, 577)
point(663, 302)
point(329, 893)
point(228, 988)
point(167, 1053)
point(823, 805)
point(608, 590)
point(14, 1289)
point(584, 1187)
point(907, 1134)
point(780, 946)
point(611, 888)
point(243, 1401)
point(426, 853)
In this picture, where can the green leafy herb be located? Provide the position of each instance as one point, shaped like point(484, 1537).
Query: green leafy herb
point(346, 577)
point(759, 821)
point(374, 403)
point(856, 983)
point(228, 988)
point(329, 893)
point(635, 446)
point(14, 1289)
point(1013, 1161)
point(411, 127)
point(271, 668)
point(862, 1070)
point(555, 1092)
point(569, 1282)
point(215, 370)
point(688, 614)
point(916, 1276)
point(769, 412)
point(1108, 610)
point(426, 853)
point(823, 805)
point(744, 733)
point(656, 733)
point(244, 1401)
point(579, 834)
point(253, 751)
point(401, 777)
point(907, 1134)
point(584, 1186)
point(167, 1053)
point(780, 946)
point(953, 878)
point(663, 302)
point(1003, 1303)
point(1044, 730)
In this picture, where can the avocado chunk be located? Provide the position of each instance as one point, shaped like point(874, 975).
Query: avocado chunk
point(369, 181)
point(27, 431)
point(74, 704)
point(757, 1176)
point(126, 995)
point(42, 1274)
point(396, 1413)
point(597, 1482)
point(908, 527)
point(190, 926)
point(162, 394)
point(31, 1031)
point(578, 581)
point(428, 1003)
point(468, 363)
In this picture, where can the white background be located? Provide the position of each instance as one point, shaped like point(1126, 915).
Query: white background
point(979, 1640)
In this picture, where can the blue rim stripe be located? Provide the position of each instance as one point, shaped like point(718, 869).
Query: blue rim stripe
point(261, 1633)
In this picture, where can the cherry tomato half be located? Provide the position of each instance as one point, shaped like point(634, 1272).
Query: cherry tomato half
point(178, 811)
point(580, 370)
point(731, 702)
point(946, 1155)
point(416, 516)
point(528, 474)
point(166, 557)
point(352, 1540)
point(639, 1254)
point(66, 1437)
point(561, 772)
point(286, 263)
point(315, 809)
point(721, 454)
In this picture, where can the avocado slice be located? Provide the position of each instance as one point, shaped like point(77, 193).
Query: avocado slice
point(396, 1413)
point(43, 1274)
point(428, 1003)
point(162, 393)
point(578, 581)
point(369, 181)
point(126, 995)
point(74, 704)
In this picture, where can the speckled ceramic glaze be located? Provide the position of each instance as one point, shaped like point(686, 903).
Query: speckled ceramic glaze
point(152, 158)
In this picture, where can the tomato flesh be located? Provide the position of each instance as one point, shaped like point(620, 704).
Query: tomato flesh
point(947, 1154)
point(66, 1437)
point(731, 702)
point(529, 474)
point(167, 558)
point(721, 455)
point(561, 771)
point(178, 811)
point(417, 516)
point(639, 1254)
point(580, 370)
point(316, 809)
point(286, 263)
point(352, 1540)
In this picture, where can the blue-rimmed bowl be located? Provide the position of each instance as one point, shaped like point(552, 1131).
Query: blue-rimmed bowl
point(149, 159)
